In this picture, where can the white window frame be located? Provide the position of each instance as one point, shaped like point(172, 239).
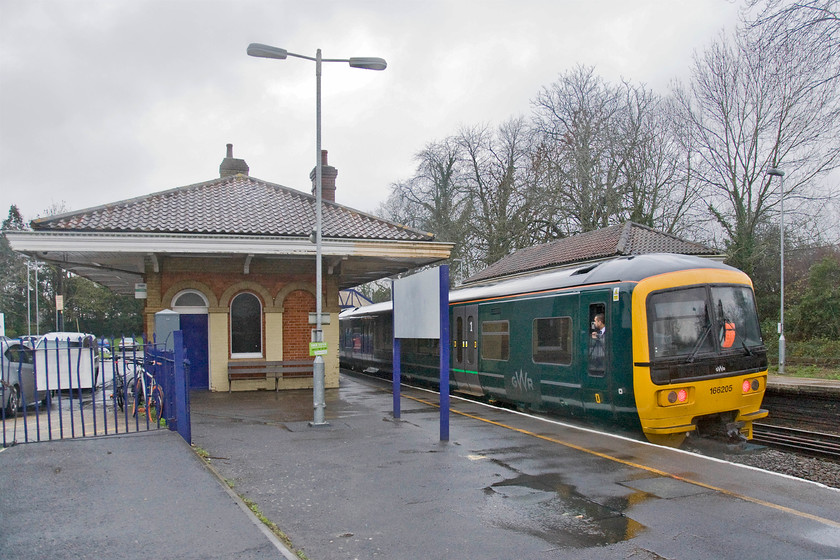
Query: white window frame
point(190, 309)
point(240, 355)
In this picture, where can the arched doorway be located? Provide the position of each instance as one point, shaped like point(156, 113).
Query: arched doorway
point(192, 305)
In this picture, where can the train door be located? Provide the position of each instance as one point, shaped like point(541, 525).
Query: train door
point(595, 345)
point(464, 335)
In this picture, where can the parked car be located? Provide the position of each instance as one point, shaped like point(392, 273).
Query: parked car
point(67, 360)
point(17, 370)
point(104, 348)
point(29, 340)
point(127, 343)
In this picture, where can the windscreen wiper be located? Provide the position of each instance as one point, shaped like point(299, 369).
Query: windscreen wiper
point(699, 343)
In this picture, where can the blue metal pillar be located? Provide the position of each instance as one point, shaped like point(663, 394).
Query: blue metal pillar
point(396, 378)
point(444, 353)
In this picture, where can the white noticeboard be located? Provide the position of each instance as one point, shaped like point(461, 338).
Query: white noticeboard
point(417, 305)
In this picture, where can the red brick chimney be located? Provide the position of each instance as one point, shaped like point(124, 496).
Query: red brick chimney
point(328, 175)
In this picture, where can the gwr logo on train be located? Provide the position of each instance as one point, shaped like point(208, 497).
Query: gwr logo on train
point(521, 382)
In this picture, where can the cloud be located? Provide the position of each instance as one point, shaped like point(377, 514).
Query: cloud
point(102, 101)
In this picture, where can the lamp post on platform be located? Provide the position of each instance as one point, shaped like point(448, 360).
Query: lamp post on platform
point(369, 63)
point(776, 172)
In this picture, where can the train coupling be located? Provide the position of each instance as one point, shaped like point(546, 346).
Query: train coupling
point(733, 431)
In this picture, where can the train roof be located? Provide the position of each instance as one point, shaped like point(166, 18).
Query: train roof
point(622, 269)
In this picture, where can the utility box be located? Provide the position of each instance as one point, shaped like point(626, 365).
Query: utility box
point(166, 323)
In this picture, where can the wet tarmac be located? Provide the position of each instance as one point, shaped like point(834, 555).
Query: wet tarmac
point(506, 485)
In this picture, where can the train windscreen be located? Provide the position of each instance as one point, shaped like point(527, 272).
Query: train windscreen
point(690, 322)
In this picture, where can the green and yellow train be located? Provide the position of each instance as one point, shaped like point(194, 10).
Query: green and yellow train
point(680, 351)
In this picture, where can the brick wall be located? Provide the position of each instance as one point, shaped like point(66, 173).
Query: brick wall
point(296, 328)
point(286, 325)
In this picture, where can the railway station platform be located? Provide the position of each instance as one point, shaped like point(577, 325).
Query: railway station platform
point(787, 384)
point(506, 485)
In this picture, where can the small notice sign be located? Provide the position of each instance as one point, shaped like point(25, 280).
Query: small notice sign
point(317, 348)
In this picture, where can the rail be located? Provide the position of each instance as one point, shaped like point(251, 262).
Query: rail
point(818, 444)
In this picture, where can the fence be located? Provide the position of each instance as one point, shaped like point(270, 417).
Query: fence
point(75, 386)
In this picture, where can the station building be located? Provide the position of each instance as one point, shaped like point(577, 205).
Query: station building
point(233, 257)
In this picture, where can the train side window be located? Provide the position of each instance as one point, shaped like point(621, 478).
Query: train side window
point(551, 340)
point(598, 333)
point(495, 340)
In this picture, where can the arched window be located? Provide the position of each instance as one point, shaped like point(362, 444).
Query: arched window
point(189, 302)
point(246, 326)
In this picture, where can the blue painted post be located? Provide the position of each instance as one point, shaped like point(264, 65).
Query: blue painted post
point(395, 377)
point(444, 353)
point(182, 410)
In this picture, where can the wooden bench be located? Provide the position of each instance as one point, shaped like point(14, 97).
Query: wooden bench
point(261, 370)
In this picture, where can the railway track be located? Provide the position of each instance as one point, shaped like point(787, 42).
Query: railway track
point(817, 444)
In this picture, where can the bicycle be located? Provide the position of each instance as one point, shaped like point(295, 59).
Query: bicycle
point(147, 395)
point(124, 375)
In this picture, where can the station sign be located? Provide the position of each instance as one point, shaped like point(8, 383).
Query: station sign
point(317, 348)
point(325, 318)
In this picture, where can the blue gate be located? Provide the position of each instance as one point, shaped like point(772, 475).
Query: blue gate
point(80, 387)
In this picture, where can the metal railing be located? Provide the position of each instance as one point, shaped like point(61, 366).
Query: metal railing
point(64, 388)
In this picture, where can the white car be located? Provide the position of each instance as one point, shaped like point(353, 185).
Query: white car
point(126, 343)
point(67, 360)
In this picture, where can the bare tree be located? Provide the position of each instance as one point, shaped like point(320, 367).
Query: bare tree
point(497, 176)
point(655, 189)
point(578, 160)
point(811, 21)
point(751, 105)
point(435, 198)
point(607, 154)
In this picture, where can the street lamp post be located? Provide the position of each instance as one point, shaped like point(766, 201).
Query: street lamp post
point(369, 63)
point(776, 172)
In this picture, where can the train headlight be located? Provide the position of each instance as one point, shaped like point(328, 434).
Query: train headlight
point(750, 386)
point(674, 396)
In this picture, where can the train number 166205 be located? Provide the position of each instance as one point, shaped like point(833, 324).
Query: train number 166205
point(721, 389)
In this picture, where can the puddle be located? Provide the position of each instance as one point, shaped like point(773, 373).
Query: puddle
point(543, 507)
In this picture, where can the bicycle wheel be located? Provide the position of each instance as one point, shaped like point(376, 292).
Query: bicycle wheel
point(138, 401)
point(155, 406)
point(119, 391)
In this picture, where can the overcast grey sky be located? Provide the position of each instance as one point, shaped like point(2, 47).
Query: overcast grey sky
point(106, 100)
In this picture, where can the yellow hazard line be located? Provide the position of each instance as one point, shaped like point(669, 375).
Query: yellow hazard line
point(653, 470)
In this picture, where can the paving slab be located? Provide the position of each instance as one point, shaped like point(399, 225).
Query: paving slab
point(138, 496)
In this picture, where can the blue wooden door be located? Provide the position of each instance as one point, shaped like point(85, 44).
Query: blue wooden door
point(194, 328)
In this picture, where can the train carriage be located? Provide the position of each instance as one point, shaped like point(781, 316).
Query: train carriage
point(680, 350)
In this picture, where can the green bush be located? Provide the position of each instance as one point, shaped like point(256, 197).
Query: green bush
point(817, 314)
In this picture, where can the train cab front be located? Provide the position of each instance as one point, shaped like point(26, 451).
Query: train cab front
point(699, 361)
